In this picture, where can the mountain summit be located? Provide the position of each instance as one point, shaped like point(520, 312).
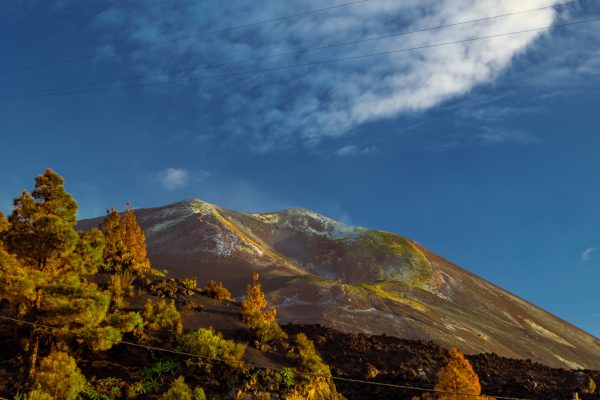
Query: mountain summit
point(318, 270)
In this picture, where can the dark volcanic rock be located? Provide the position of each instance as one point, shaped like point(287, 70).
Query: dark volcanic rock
point(317, 270)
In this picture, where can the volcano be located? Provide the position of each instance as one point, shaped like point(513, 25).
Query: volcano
point(319, 271)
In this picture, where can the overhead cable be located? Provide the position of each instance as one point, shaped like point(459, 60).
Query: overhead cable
point(271, 56)
point(178, 39)
point(186, 354)
point(293, 66)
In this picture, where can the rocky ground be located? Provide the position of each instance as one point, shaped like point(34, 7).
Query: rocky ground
point(415, 363)
point(373, 358)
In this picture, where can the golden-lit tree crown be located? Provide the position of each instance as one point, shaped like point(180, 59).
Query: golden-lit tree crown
point(457, 376)
point(125, 243)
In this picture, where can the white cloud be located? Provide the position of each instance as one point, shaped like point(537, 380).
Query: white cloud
point(306, 105)
point(177, 178)
point(588, 254)
point(353, 150)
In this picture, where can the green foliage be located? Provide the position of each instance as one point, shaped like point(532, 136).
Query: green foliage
point(162, 316)
point(93, 394)
point(43, 223)
point(199, 393)
point(38, 394)
point(120, 284)
point(160, 272)
point(46, 276)
point(105, 389)
point(87, 255)
point(189, 283)
point(287, 377)
point(58, 377)
point(208, 343)
point(153, 378)
point(126, 322)
point(217, 291)
point(178, 390)
point(158, 370)
point(306, 357)
point(268, 332)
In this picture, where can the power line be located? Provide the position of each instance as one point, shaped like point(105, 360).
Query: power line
point(292, 66)
point(290, 53)
point(187, 37)
point(182, 353)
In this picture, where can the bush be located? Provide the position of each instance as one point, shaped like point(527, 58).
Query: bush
point(199, 393)
point(286, 376)
point(189, 285)
point(179, 390)
point(216, 290)
point(266, 333)
point(120, 284)
point(306, 357)
point(162, 316)
point(58, 377)
point(208, 343)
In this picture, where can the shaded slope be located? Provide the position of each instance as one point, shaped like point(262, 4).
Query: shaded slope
point(317, 270)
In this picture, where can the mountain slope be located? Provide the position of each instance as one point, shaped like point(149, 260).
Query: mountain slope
point(317, 270)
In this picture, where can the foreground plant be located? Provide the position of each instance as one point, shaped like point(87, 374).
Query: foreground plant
point(258, 316)
point(44, 268)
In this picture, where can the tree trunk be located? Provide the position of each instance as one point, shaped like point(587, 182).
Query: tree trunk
point(34, 344)
point(34, 339)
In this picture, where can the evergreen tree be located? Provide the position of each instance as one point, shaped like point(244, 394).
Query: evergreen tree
point(114, 248)
point(125, 243)
point(43, 223)
point(257, 316)
point(44, 262)
point(254, 306)
point(457, 376)
point(135, 242)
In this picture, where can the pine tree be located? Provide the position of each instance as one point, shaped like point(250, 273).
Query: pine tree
point(257, 316)
point(43, 223)
point(114, 246)
point(125, 243)
point(254, 306)
point(44, 262)
point(135, 242)
point(457, 376)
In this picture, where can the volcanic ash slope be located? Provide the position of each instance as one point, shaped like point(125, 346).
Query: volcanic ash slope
point(317, 270)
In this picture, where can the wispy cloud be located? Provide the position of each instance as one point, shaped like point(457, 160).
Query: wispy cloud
point(353, 150)
point(307, 105)
point(485, 136)
point(588, 254)
point(177, 178)
point(490, 136)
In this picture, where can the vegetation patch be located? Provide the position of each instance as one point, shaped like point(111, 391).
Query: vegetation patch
point(208, 343)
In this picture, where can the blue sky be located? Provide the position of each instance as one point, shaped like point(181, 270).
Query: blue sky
point(485, 152)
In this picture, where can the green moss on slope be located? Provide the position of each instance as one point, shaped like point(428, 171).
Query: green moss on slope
point(395, 257)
